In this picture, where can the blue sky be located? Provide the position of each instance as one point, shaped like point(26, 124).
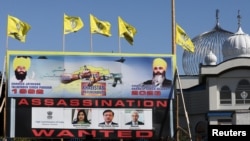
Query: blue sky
point(152, 19)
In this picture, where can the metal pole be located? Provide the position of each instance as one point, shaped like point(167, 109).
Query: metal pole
point(177, 116)
point(174, 53)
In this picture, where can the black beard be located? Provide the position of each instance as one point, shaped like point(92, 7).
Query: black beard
point(20, 76)
point(158, 73)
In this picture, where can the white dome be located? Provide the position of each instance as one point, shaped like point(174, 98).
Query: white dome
point(237, 45)
point(210, 58)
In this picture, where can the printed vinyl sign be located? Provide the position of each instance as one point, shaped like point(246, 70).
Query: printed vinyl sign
point(71, 94)
point(70, 118)
point(74, 117)
point(75, 75)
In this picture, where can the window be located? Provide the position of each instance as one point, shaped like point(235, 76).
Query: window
point(224, 121)
point(243, 92)
point(225, 95)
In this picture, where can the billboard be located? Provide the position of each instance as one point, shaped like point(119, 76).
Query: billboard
point(48, 93)
point(88, 75)
point(69, 118)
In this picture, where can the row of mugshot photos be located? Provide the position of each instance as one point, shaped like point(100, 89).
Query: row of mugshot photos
point(91, 118)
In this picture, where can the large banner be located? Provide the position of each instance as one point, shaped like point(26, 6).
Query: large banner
point(69, 118)
point(69, 94)
point(38, 74)
point(77, 118)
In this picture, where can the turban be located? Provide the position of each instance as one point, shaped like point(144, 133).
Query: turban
point(21, 61)
point(160, 62)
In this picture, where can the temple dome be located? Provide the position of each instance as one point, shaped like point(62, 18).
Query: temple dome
point(204, 43)
point(237, 45)
point(210, 59)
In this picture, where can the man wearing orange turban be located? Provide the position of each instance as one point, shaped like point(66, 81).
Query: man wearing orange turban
point(159, 74)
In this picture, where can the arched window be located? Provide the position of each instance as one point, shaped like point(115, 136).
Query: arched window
point(225, 95)
point(243, 92)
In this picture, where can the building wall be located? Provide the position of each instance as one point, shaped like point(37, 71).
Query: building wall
point(230, 79)
point(241, 117)
point(199, 103)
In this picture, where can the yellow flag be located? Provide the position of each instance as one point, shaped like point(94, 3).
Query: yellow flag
point(72, 24)
point(126, 30)
point(17, 29)
point(100, 27)
point(183, 39)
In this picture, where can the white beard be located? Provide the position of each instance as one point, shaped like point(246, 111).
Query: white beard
point(158, 80)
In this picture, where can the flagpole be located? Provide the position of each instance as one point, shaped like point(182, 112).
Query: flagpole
point(63, 42)
point(174, 53)
point(173, 28)
point(63, 46)
point(119, 44)
point(7, 37)
point(119, 37)
point(7, 42)
point(3, 75)
point(91, 48)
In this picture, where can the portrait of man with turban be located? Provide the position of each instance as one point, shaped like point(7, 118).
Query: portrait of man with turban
point(21, 65)
point(159, 79)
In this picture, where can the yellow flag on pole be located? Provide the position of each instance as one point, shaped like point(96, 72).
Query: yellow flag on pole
point(17, 29)
point(126, 30)
point(183, 39)
point(100, 27)
point(72, 24)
